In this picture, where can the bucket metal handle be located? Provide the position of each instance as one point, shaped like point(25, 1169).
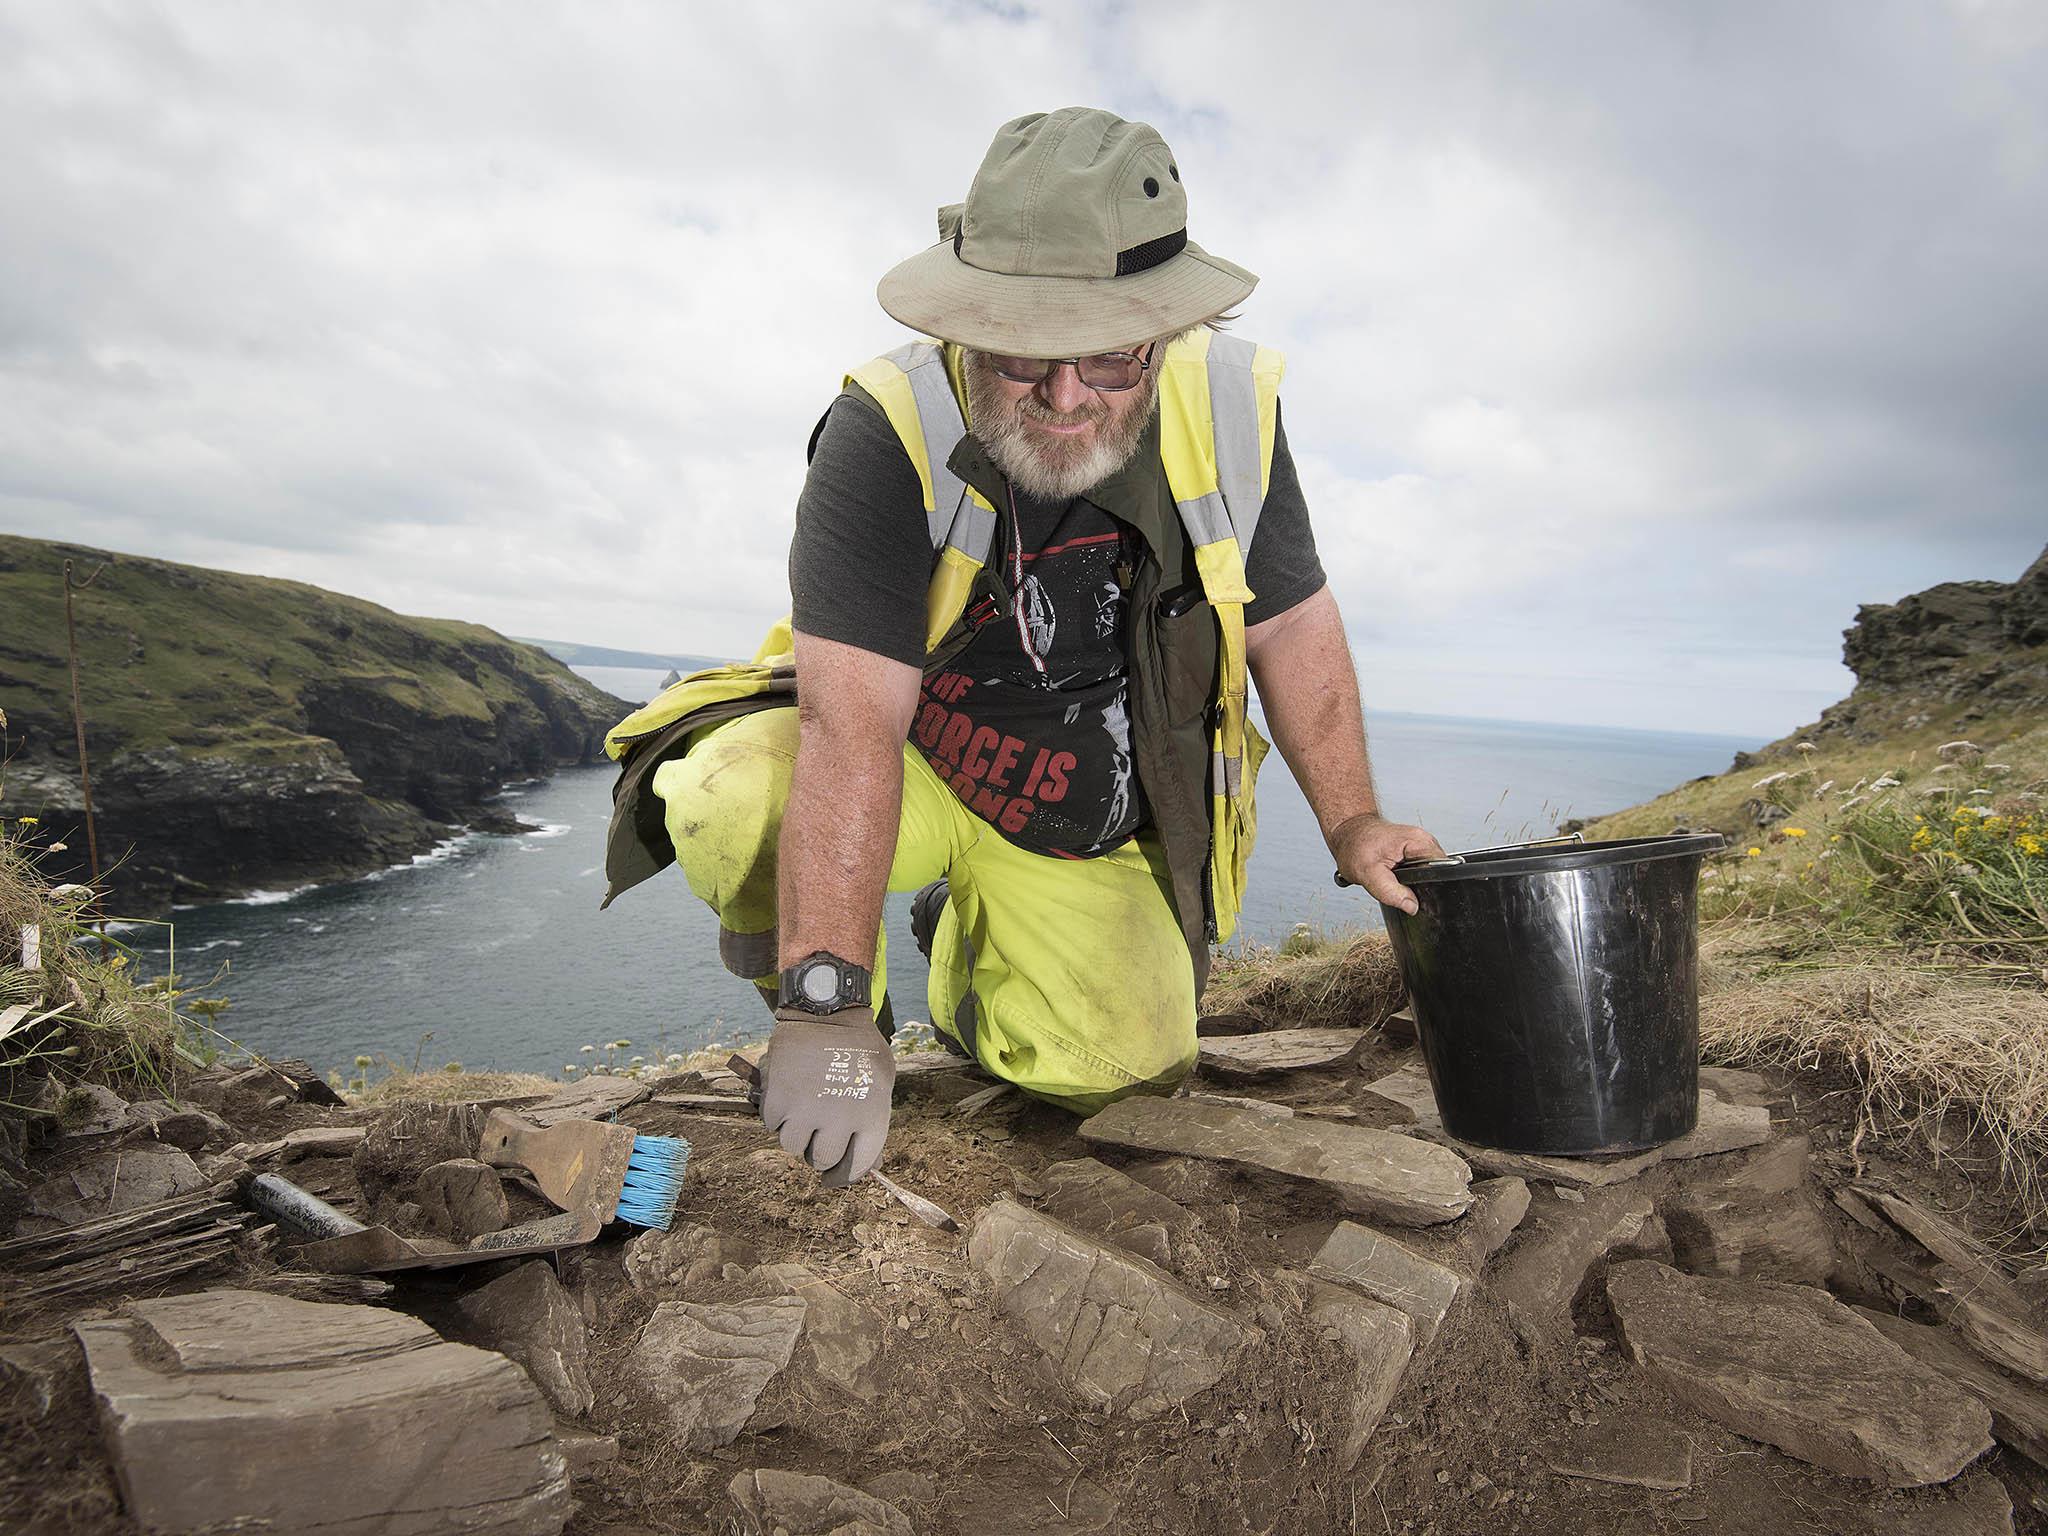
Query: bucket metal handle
point(1461, 856)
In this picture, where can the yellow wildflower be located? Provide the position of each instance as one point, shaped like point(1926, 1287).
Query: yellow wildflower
point(1795, 831)
point(1922, 840)
point(1755, 853)
point(1835, 838)
point(2031, 846)
point(30, 821)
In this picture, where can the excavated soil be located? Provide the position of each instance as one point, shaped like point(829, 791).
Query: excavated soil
point(972, 1434)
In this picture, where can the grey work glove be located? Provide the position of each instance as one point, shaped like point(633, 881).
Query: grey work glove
point(826, 1084)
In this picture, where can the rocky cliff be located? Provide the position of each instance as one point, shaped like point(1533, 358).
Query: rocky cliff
point(1947, 658)
point(246, 732)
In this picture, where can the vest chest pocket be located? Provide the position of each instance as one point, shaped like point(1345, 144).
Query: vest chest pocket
point(1186, 626)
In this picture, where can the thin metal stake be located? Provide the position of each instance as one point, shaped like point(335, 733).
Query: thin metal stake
point(92, 837)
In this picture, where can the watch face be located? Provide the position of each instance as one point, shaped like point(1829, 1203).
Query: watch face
point(818, 982)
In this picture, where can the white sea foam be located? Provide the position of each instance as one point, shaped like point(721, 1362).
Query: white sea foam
point(267, 898)
point(549, 829)
point(440, 853)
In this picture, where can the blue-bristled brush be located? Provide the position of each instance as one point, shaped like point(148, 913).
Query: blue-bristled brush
point(654, 1180)
point(590, 1165)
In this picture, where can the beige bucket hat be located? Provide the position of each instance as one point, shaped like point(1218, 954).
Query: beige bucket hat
point(1073, 240)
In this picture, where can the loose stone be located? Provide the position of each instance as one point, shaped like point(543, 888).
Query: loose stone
point(1383, 1269)
point(463, 1198)
point(1791, 1366)
point(238, 1409)
point(1123, 1335)
point(528, 1316)
point(1377, 1173)
point(708, 1364)
point(775, 1503)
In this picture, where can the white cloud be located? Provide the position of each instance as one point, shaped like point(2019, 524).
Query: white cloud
point(1630, 346)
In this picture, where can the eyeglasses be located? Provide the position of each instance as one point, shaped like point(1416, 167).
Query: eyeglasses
point(1105, 372)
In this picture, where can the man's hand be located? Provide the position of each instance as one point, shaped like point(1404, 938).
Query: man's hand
point(1368, 847)
point(826, 1083)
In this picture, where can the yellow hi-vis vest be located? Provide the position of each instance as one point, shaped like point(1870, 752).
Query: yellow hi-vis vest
point(1218, 406)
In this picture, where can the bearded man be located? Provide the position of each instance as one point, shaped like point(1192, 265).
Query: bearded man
point(1034, 564)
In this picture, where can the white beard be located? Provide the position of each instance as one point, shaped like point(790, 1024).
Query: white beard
point(1053, 468)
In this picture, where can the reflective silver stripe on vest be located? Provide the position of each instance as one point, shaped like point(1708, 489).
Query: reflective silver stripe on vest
point(1207, 518)
point(938, 416)
point(973, 530)
point(1234, 408)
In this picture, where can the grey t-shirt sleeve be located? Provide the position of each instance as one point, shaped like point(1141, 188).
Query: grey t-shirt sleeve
point(861, 557)
point(1282, 568)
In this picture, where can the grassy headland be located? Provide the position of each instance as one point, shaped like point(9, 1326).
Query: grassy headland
point(245, 730)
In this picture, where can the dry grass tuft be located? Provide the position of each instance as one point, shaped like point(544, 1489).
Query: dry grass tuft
point(402, 1087)
point(88, 1017)
point(1923, 1046)
point(1349, 979)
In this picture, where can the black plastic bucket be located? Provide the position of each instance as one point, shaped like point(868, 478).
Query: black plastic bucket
point(1556, 991)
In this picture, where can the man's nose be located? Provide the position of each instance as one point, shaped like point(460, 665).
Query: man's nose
point(1063, 389)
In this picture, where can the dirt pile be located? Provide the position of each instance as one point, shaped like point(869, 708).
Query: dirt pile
point(1283, 1302)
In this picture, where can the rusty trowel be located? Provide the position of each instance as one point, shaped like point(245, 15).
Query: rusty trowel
point(344, 1246)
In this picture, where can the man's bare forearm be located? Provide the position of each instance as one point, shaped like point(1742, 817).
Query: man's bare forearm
point(845, 799)
point(1301, 663)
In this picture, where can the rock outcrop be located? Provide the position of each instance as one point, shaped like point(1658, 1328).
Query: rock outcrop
point(1950, 655)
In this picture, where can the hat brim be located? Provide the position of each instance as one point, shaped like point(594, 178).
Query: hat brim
point(937, 293)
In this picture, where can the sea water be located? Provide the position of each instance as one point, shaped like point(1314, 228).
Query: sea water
point(490, 950)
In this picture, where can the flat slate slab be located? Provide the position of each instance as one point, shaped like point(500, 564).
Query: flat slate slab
point(1112, 1205)
point(1549, 1263)
point(708, 1364)
point(529, 1317)
point(846, 1338)
point(1759, 1219)
point(773, 1503)
point(1960, 1281)
point(1272, 1051)
point(1722, 1127)
point(1377, 1173)
point(1791, 1366)
point(1498, 1206)
point(241, 1409)
point(1383, 1269)
point(591, 1098)
point(108, 1183)
point(2019, 1412)
point(1122, 1334)
point(1381, 1342)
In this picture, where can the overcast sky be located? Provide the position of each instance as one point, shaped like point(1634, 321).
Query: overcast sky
point(1631, 346)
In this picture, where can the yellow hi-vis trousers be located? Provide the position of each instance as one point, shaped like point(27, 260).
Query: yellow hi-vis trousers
point(1069, 978)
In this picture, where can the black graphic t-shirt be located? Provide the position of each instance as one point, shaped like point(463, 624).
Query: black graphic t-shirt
point(1030, 724)
point(1044, 755)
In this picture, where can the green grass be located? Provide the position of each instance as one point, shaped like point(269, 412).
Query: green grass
point(1894, 845)
point(212, 661)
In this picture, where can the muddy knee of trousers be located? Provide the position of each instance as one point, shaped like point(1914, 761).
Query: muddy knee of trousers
point(722, 805)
